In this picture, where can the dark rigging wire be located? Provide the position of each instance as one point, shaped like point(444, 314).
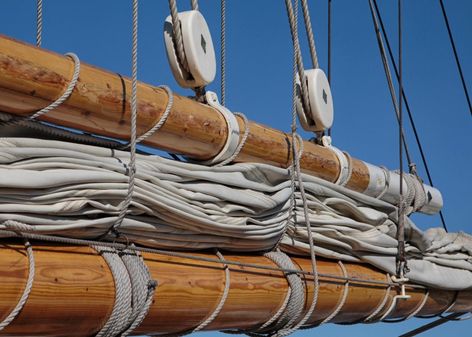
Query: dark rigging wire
point(329, 51)
point(407, 106)
point(446, 20)
point(401, 259)
point(389, 76)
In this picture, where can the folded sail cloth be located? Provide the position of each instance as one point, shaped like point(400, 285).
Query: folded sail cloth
point(78, 190)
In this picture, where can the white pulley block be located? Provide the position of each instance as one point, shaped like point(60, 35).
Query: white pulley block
point(198, 49)
point(320, 113)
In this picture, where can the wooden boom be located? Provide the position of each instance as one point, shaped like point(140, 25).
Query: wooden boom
point(31, 78)
point(73, 292)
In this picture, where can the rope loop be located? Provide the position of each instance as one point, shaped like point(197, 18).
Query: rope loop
point(67, 92)
point(160, 122)
point(27, 290)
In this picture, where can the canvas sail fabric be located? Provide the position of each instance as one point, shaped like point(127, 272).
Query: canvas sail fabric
point(77, 190)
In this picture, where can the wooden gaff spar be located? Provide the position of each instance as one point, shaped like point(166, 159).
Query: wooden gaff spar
point(31, 78)
point(73, 292)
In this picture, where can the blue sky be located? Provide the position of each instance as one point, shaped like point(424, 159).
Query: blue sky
point(259, 81)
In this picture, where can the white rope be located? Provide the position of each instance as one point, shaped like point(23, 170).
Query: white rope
point(178, 40)
point(344, 296)
point(161, 121)
point(67, 92)
point(194, 4)
point(381, 305)
point(223, 53)
point(309, 33)
point(27, 290)
point(223, 298)
point(131, 170)
point(293, 22)
point(39, 22)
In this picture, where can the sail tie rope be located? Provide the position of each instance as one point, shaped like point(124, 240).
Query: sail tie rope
point(381, 306)
point(217, 309)
point(289, 312)
point(134, 291)
point(161, 121)
point(340, 304)
point(28, 286)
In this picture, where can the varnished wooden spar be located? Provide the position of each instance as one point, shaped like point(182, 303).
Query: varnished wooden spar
point(31, 78)
point(73, 293)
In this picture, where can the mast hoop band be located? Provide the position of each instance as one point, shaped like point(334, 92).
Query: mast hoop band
point(232, 140)
point(344, 159)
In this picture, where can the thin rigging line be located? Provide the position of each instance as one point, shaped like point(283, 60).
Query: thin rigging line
point(39, 22)
point(407, 106)
point(123, 247)
point(388, 75)
point(401, 207)
point(459, 68)
point(329, 51)
point(223, 53)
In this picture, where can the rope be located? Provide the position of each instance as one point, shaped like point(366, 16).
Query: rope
point(223, 53)
point(178, 41)
point(293, 22)
point(194, 4)
point(418, 308)
point(223, 298)
point(134, 291)
point(143, 287)
point(39, 22)
point(410, 114)
point(295, 173)
point(131, 169)
point(389, 76)
point(291, 308)
point(67, 92)
point(401, 257)
point(241, 143)
point(24, 229)
point(456, 57)
point(309, 33)
point(381, 306)
point(343, 297)
point(340, 304)
point(329, 52)
point(123, 296)
point(27, 290)
point(161, 121)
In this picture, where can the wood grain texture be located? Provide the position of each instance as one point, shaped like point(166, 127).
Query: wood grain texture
point(31, 78)
point(73, 292)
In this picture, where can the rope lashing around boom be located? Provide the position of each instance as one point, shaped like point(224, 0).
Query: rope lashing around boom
point(208, 320)
point(162, 119)
point(134, 291)
point(27, 290)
